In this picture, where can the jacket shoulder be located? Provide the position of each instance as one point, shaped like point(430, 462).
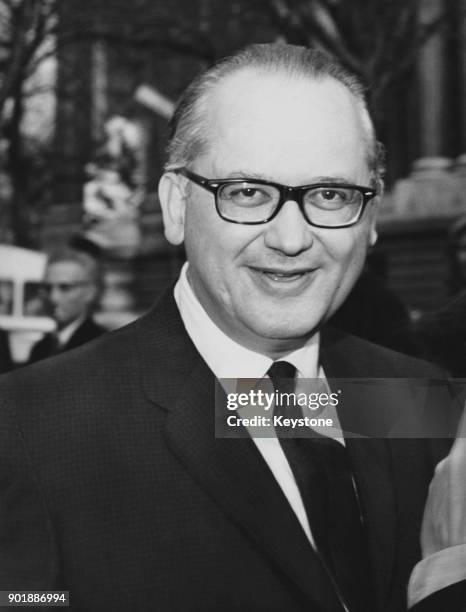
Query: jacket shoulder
point(78, 368)
point(358, 357)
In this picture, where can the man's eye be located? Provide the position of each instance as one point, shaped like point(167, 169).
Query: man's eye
point(244, 195)
point(329, 198)
point(332, 195)
point(249, 192)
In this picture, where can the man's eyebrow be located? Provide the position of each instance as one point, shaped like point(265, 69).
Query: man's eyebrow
point(247, 174)
point(332, 179)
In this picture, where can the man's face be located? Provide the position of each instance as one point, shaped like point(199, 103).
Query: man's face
point(271, 286)
point(69, 291)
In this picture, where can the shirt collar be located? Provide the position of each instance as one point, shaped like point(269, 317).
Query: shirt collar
point(63, 335)
point(225, 357)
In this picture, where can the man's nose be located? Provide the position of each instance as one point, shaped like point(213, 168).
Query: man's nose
point(289, 231)
point(54, 295)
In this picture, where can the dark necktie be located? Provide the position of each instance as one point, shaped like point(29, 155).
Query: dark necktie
point(322, 471)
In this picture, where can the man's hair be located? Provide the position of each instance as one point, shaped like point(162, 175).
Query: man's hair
point(90, 264)
point(189, 128)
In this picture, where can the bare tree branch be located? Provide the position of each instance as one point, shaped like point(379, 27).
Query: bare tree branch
point(408, 59)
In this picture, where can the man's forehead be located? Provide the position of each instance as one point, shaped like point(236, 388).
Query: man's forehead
point(263, 91)
point(271, 119)
point(66, 268)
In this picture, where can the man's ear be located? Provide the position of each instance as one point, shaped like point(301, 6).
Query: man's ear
point(373, 235)
point(172, 199)
point(374, 204)
point(92, 294)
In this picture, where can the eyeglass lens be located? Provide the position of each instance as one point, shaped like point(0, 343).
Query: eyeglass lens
point(62, 287)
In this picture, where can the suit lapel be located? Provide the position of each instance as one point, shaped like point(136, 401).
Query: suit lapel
point(371, 462)
point(87, 331)
point(231, 471)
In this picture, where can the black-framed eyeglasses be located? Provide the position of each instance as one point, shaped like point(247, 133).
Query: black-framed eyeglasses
point(255, 201)
point(62, 287)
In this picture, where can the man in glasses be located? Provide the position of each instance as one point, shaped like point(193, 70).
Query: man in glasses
point(126, 496)
point(71, 288)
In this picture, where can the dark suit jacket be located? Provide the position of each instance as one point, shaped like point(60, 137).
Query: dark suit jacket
point(451, 599)
point(45, 347)
point(114, 487)
point(6, 362)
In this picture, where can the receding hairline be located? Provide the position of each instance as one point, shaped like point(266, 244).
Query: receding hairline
point(190, 122)
point(263, 72)
point(345, 95)
point(203, 105)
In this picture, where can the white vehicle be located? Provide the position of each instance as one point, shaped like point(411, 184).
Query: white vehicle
point(21, 308)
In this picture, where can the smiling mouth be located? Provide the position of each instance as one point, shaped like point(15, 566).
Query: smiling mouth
point(282, 276)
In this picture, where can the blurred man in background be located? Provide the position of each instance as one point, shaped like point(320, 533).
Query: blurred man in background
point(71, 289)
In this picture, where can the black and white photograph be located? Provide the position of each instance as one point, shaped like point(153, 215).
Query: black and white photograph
point(233, 305)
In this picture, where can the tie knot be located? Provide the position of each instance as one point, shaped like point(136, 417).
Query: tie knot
point(280, 371)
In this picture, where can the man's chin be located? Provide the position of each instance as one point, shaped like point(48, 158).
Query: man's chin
point(60, 323)
point(286, 333)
